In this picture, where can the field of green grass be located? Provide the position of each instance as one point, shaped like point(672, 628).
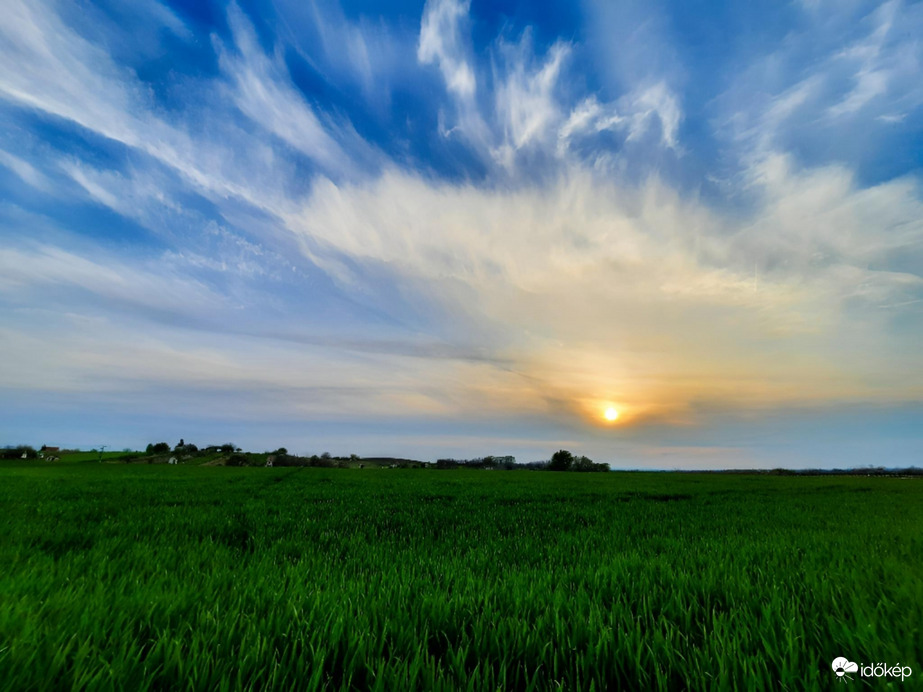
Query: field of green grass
point(76, 457)
point(143, 577)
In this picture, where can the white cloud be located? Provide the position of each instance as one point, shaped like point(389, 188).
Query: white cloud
point(26, 171)
point(533, 116)
point(640, 285)
point(263, 92)
point(154, 287)
point(64, 75)
point(354, 53)
point(442, 44)
point(656, 101)
point(871, 77)
point(61, 73)
point(525, 100)
point(589, 117)
point(634, 113)
point(813, 95)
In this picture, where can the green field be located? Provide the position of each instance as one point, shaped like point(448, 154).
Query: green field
point(72, 457)
point(142, 577)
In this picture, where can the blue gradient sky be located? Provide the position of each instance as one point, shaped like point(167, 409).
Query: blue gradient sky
point(458, 229)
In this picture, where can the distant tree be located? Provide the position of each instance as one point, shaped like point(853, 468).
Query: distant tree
point(561, 461)
point(18, 452)
point(326, 456)
point(158, 448)
point(581, 463)
point(228, 448)
point(587, 465)
point(282, 451)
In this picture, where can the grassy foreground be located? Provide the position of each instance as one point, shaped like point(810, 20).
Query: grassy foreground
point(141, 577)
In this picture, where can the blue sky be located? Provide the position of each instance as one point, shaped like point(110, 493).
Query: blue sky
point(466, 228)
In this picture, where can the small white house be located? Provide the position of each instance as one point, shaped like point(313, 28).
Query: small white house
point(172, 460)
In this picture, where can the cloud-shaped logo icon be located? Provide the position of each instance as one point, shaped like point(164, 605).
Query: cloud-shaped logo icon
point(841, 666)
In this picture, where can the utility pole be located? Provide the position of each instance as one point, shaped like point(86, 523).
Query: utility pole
point(101, 450)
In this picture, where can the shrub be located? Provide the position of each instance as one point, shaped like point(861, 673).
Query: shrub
point(237, 460)
point(18, 451)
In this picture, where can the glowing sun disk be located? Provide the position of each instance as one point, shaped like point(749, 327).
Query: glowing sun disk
point(611, 414)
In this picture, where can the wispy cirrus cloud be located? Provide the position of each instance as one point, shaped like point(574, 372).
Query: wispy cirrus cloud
point(443, 43)
point(261, 89)
point(825, 99)
point(532, 115)
point(641, 281)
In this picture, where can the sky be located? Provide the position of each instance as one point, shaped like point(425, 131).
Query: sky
point(452, 229)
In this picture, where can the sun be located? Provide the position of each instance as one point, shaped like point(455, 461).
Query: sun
point(611, 414)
